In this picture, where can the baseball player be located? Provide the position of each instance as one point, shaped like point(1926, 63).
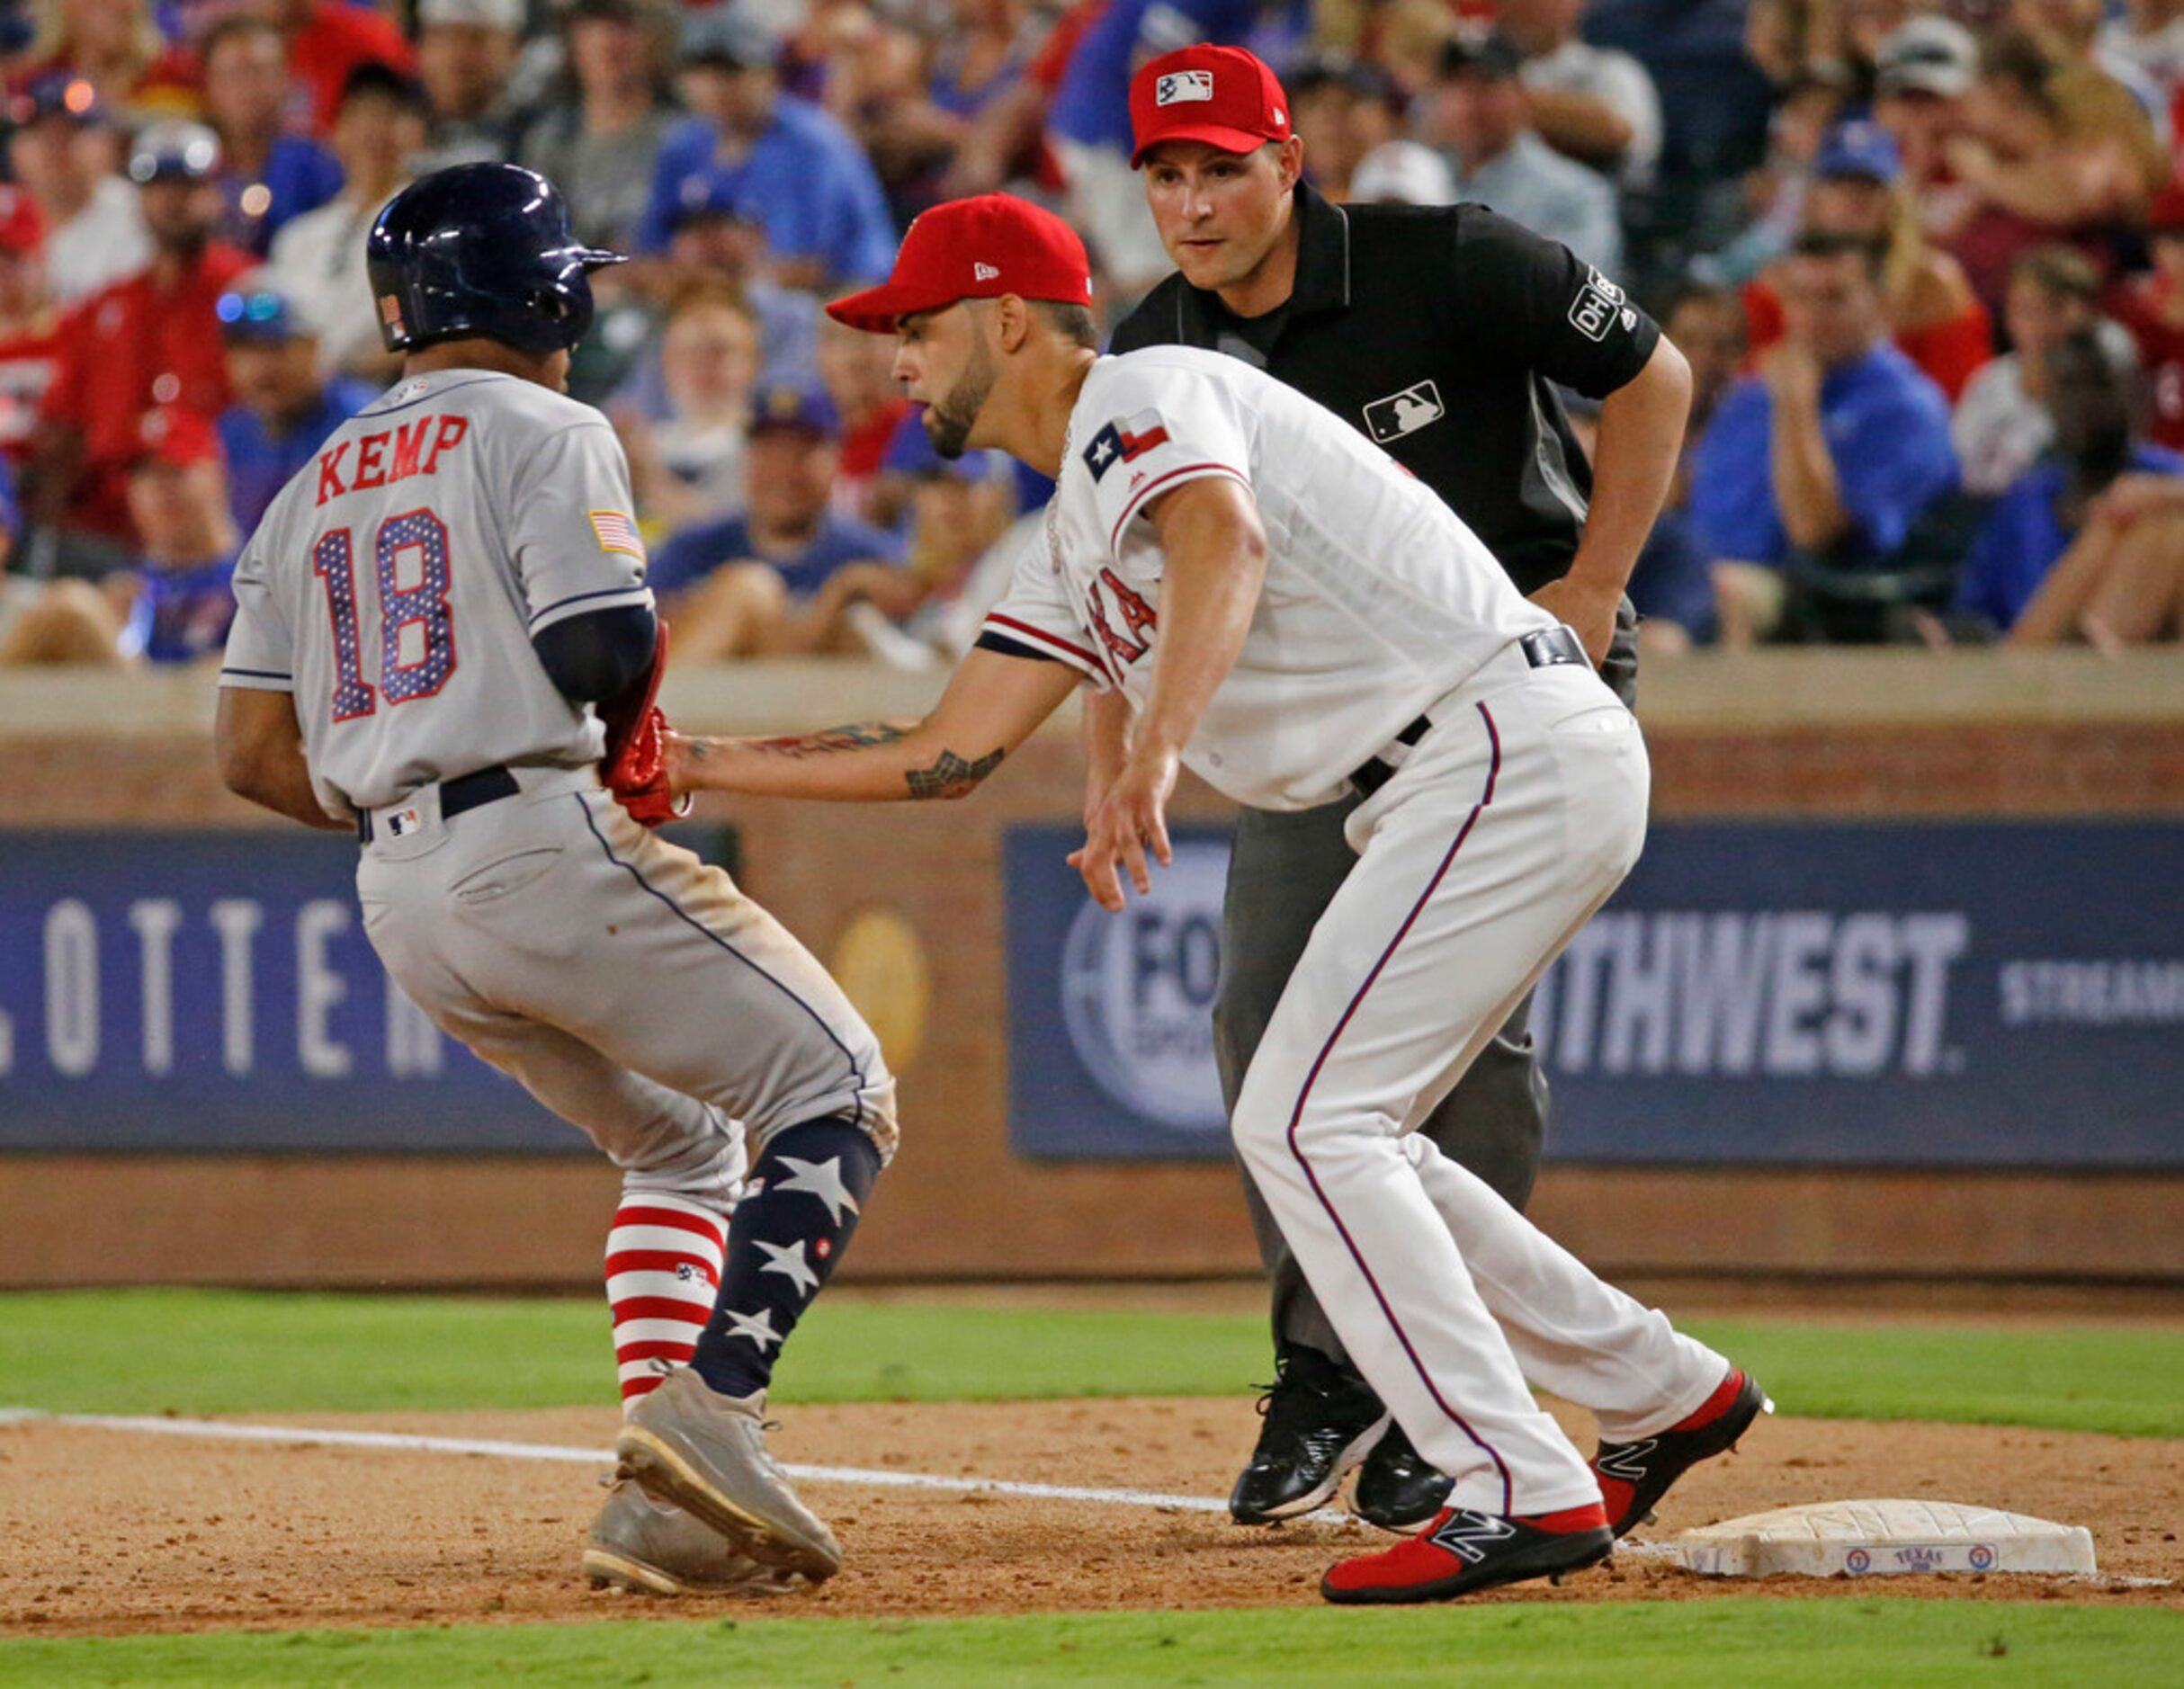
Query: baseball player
point(1282, 608)
point(442, 624)
point(1445, 335)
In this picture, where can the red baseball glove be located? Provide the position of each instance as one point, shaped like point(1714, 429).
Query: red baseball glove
point(631, 765)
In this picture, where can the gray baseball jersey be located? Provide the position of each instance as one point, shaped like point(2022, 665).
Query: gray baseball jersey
point(393, 587)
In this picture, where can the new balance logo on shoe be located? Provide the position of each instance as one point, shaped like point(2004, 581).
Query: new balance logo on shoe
point(1469, 1535)
point(1626, 1460)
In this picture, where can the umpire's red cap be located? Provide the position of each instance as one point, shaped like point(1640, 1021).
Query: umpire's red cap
point(1222, 95)
point(974, 249)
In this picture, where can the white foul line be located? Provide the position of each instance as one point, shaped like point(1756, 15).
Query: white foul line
point(401, 1440)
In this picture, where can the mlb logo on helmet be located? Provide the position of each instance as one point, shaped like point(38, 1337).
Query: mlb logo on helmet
point(1182, 85)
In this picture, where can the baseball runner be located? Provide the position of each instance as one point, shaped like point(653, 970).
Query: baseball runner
point(1445, 335)
point(1282, 607)
point(443, 627)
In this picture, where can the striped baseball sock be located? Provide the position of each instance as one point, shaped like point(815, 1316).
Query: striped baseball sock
point(662, 1272)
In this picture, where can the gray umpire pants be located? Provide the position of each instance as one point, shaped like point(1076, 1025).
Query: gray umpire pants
point(1283, 870)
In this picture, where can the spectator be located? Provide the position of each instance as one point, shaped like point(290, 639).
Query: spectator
point(1714, 98)
point(267, 176)
point(791, 166)
point(2002, 425)
point(30, 328)
point(1088, 119)
point(318, 259)
point(1477, 114)
point(960, 509)
point(688, 467)
point(178, 501)
point(174, 603)
point(2088, 544)
point(148, 343)
point(2045, 154)
point(715, 237)
point(62, 150)
point(1004, 137)
point(327, 40)
point(466, 52)
point(1402, 173)
point(1591, 104)
point(285, 407)
point(1838, 43)
point(1832, 452)
point(858, 372)
point(2068, 35)
point(1925, 70)
point(751, 586)
point(598, 149)
point(115, 46)
point(2152, 308)
point(1856, 191)
point(2149, 37)
point(1342, 109)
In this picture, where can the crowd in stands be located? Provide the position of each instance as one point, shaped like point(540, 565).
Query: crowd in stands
point(1926, 260)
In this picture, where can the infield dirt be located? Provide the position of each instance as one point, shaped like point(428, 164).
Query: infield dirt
point(118, 1533)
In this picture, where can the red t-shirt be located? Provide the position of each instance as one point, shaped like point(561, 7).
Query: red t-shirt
point(2161, 352)
point(126, 350)
point(29, 355)
point(339, 38)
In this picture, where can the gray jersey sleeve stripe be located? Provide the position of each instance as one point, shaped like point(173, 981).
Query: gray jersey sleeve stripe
point(562, 606)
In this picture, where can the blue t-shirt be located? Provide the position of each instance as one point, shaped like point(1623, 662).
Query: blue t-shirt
point(1092, 105)
point(299, 175)
point(259, 465)
point(1671, 580)
point(805, 180)
point(1887, 427)
point(2022, 541)
point(179, 615)
point(696, 551)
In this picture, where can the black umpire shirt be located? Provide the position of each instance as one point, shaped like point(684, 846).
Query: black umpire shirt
point(1438, 332)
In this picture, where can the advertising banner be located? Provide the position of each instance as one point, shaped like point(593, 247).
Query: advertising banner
point(189, 991)
point(1982, 994)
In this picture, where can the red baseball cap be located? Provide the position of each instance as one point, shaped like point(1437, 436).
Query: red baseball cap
point(175, 438)
point(1222, 95)
point(974, 249)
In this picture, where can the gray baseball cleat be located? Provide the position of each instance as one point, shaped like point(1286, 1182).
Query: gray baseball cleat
point(654, 1548)
point(689, 1444)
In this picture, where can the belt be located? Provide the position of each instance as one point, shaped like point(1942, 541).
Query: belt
point(1549, 647)
point(465, 791)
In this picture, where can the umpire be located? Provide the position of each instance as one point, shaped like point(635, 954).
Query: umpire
point(1439, 332)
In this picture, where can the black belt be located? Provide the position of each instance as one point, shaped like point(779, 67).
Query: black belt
point(1546, 648)
point(465, 791)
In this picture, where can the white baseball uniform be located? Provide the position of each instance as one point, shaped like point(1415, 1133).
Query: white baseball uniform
point(394, 588)
point(1516, 802)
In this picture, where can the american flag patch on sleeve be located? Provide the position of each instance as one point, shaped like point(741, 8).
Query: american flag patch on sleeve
point(617, 533)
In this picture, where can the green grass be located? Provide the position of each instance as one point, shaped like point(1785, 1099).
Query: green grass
point(1784, 1644)
point(195, 1352)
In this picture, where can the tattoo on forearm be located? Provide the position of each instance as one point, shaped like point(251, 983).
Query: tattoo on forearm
point(951, 776)
point(855, 737)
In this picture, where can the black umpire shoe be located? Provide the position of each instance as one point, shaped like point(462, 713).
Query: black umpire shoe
point(1398, 1490)
point(1321, 1419)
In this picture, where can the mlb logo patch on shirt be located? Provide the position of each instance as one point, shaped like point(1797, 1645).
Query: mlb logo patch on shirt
point(1180, 87)
point(1405, 413)
point(1119, 441)
point(617, 533)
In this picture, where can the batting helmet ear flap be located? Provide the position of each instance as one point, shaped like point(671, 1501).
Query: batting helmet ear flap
point(481, 249)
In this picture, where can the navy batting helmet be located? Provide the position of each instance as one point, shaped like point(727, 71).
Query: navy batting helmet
point(481, 249)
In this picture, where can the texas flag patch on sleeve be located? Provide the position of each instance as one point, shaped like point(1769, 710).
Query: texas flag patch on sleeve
point(1120, 442)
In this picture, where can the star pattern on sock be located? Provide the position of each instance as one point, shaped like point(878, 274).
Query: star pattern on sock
point(789, 1262)
point(822, 1179)
point(758, 1327)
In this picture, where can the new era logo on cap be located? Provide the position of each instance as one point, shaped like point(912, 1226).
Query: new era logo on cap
point(984, 273)
point(1182, 85)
